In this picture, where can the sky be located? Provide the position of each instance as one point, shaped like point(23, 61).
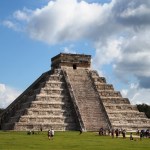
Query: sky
point(116, 33)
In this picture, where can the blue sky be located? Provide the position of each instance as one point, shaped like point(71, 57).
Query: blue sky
point(115, 33)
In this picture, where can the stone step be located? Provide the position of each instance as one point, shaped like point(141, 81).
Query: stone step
point(46, 126)
point(114, 107)
point(55, 98)
point(55, 78)
point(54, 85)
point(125, 114)
point(89, 96)
point(20, 112)
point(101, 86)
point(42, 118)
point(76, 80)
point(37, 91)
point(136, 122)
point(121, 111)
point(87, 100)
point(51, 82)
point(36, 126)
point(14, 119)
point(94, 73)
point(129, 126)
point(47, 112)
point(31, 98)
point(88, 112)
point(57, 91)
point(40, 96)
point(119, 105)
point(76, 72)
point(42, 84)
point(110, 94)
point(115, 100)
point(42, 104)
point(99, 80)
point(128, 119)
point(53, 91)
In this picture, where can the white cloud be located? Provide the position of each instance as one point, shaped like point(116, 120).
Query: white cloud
point(69, 49)
point(22, 15)
point(10, 24)
point(105, 54)
point(7, 95)
point(63, 20)
point(135, 58)
point(119, 31)
point(137, 95)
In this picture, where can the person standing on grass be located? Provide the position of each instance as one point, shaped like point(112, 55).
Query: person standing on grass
point(51, 133)
point(117, 133)
point(112, 133)
point(80, 131)
point(124, 134)
point(131, 137)
point(141, 135)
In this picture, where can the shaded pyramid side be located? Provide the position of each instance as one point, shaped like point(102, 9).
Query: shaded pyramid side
point(120, 112)
point(46, 103)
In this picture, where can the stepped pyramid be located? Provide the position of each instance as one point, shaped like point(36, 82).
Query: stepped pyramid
point(71, 96)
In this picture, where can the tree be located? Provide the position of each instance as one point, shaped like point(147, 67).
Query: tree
point(144, 108)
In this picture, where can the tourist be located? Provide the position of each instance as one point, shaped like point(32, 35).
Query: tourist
point(80, 131)
point(120, 131)
point(104, 131)
point(131, 137)
point(147, 133)
point(101, 131)
point(41, 129)
point(112, 133)
point(29, 132)
point(141, 135)
point(124, 133)
point(117, 133)
point(50, 133)
point(137, 132)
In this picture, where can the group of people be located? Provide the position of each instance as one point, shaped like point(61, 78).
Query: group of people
point(117, 132)
point(112, 132)
point(143, 133)
point(51, 133)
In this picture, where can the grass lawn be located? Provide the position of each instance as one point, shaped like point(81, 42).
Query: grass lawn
point(68, 141)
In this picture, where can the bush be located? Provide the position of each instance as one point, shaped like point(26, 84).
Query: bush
point(144, 108)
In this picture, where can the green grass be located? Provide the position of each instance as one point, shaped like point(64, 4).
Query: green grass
point(68, 141)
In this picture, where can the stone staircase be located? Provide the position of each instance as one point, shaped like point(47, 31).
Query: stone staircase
point(120, 112)
point(46, 103)
point(87, 100)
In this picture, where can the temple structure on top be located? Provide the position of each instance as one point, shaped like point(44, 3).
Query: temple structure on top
point(71, 60)
point(71, 96)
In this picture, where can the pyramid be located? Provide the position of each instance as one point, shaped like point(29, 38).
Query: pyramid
point(71, 96)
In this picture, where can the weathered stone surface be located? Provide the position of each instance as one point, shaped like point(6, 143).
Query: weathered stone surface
point(71, 96)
